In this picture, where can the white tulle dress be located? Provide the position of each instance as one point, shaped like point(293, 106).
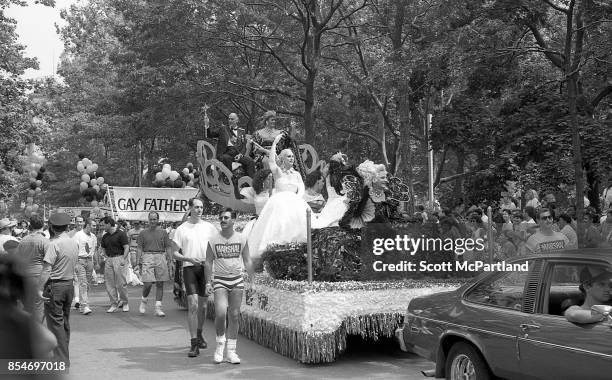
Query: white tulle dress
point(283, 218)
point(333, 211)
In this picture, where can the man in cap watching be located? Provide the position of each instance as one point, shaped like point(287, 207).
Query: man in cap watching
point(56, 278)
point(5, 233)
point(595, 285)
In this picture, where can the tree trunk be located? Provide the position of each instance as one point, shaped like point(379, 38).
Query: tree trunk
point(460, 169)
point(576, 142)
point(309, 133)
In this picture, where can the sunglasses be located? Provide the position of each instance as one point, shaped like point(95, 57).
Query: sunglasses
point(546, 217)
point(225, 217)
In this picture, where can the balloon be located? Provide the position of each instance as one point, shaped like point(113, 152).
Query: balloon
point(96, 188)
point(174, 175)
point(89, 198)
point(80, 166)
point(28, 209)
point(94, 167)
point(189, 165)
point(42, 169)
point(103, 186)
point(38, 190)
point(178, 183)
point(191, 176)
point(190, 183)
point(100, 180)
point(31, 193)
point(93, 182)
point(159, 177)
point(85, 178)
point(33, 173)
point(167, 166)
point(33, 185)
point(89, 169)
point(185, 171)
point(35, 207)
point(83, 186)
point(35, 166)
point(39, 176)
point(38, 183)
point(196, 174)
point(94, 203)
point(87, 162)
point(165, 173)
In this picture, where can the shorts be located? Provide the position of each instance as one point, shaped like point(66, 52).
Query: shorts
point(154, 267)
point(194, 279)
point(228, 282)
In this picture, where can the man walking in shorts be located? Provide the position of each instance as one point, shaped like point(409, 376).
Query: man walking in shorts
point(152, 252)
point(192, 239)
point(227, 255)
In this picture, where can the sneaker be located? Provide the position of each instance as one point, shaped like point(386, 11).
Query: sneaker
point(143, 307)
point(218, 357)
point(112, 309)
point(125, 307)
point(77, 305)
point(194, 350)
point(159, 312)
point(232, 356)
point(86, 310)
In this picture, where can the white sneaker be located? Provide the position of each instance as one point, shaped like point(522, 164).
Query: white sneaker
point(112, 309)
point(159, 312)
point(125, 307)
point(218, 356)
point(232, 356)
point(86, 310)
point(143, 307)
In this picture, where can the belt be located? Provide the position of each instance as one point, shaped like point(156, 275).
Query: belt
point(154, 252)
point(85, 257)
point(121, 255)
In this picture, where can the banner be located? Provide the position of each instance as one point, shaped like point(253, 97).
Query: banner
point(85, 212)
point(135, 203)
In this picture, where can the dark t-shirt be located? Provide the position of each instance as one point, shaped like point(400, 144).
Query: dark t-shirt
point(113, 243)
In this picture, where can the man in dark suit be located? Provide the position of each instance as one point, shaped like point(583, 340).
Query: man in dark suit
point(231, 144)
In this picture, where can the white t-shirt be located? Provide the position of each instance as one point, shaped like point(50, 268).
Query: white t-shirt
point(193, 239)
point(87, 243)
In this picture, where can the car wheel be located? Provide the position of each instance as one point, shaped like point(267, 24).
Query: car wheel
point(464, 362)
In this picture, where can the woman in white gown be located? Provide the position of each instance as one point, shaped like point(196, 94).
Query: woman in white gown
point(283, 218)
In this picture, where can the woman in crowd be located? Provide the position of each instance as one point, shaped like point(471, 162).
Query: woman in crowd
point(592, 237)
point(259, 147)
point(532, 199)
point(507, 222)
point(565, 227)
point(283, 218)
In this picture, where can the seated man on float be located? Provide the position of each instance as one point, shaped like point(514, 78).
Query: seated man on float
point(231, 145)
point(596, 287)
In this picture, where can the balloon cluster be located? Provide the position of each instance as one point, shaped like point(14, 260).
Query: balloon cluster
point(171, 178)
point(92, 186)
point(33, 165)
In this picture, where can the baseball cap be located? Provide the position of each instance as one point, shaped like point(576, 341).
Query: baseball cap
point(594, 273)
point(59, 219)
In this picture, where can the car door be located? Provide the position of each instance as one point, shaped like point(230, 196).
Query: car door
point(550, 347)
point(493, 308)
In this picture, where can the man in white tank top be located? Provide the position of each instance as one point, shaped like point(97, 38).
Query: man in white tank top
point(227, 256)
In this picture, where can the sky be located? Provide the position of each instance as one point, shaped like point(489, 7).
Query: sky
point(36, 30)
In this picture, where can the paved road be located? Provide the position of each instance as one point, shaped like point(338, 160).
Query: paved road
point(131, 346)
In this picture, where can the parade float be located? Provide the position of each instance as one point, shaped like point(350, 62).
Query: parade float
point(309, 301)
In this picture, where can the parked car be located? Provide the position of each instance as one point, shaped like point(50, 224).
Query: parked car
point(511, 324)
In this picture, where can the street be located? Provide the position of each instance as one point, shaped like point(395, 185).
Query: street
point(133, 346)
